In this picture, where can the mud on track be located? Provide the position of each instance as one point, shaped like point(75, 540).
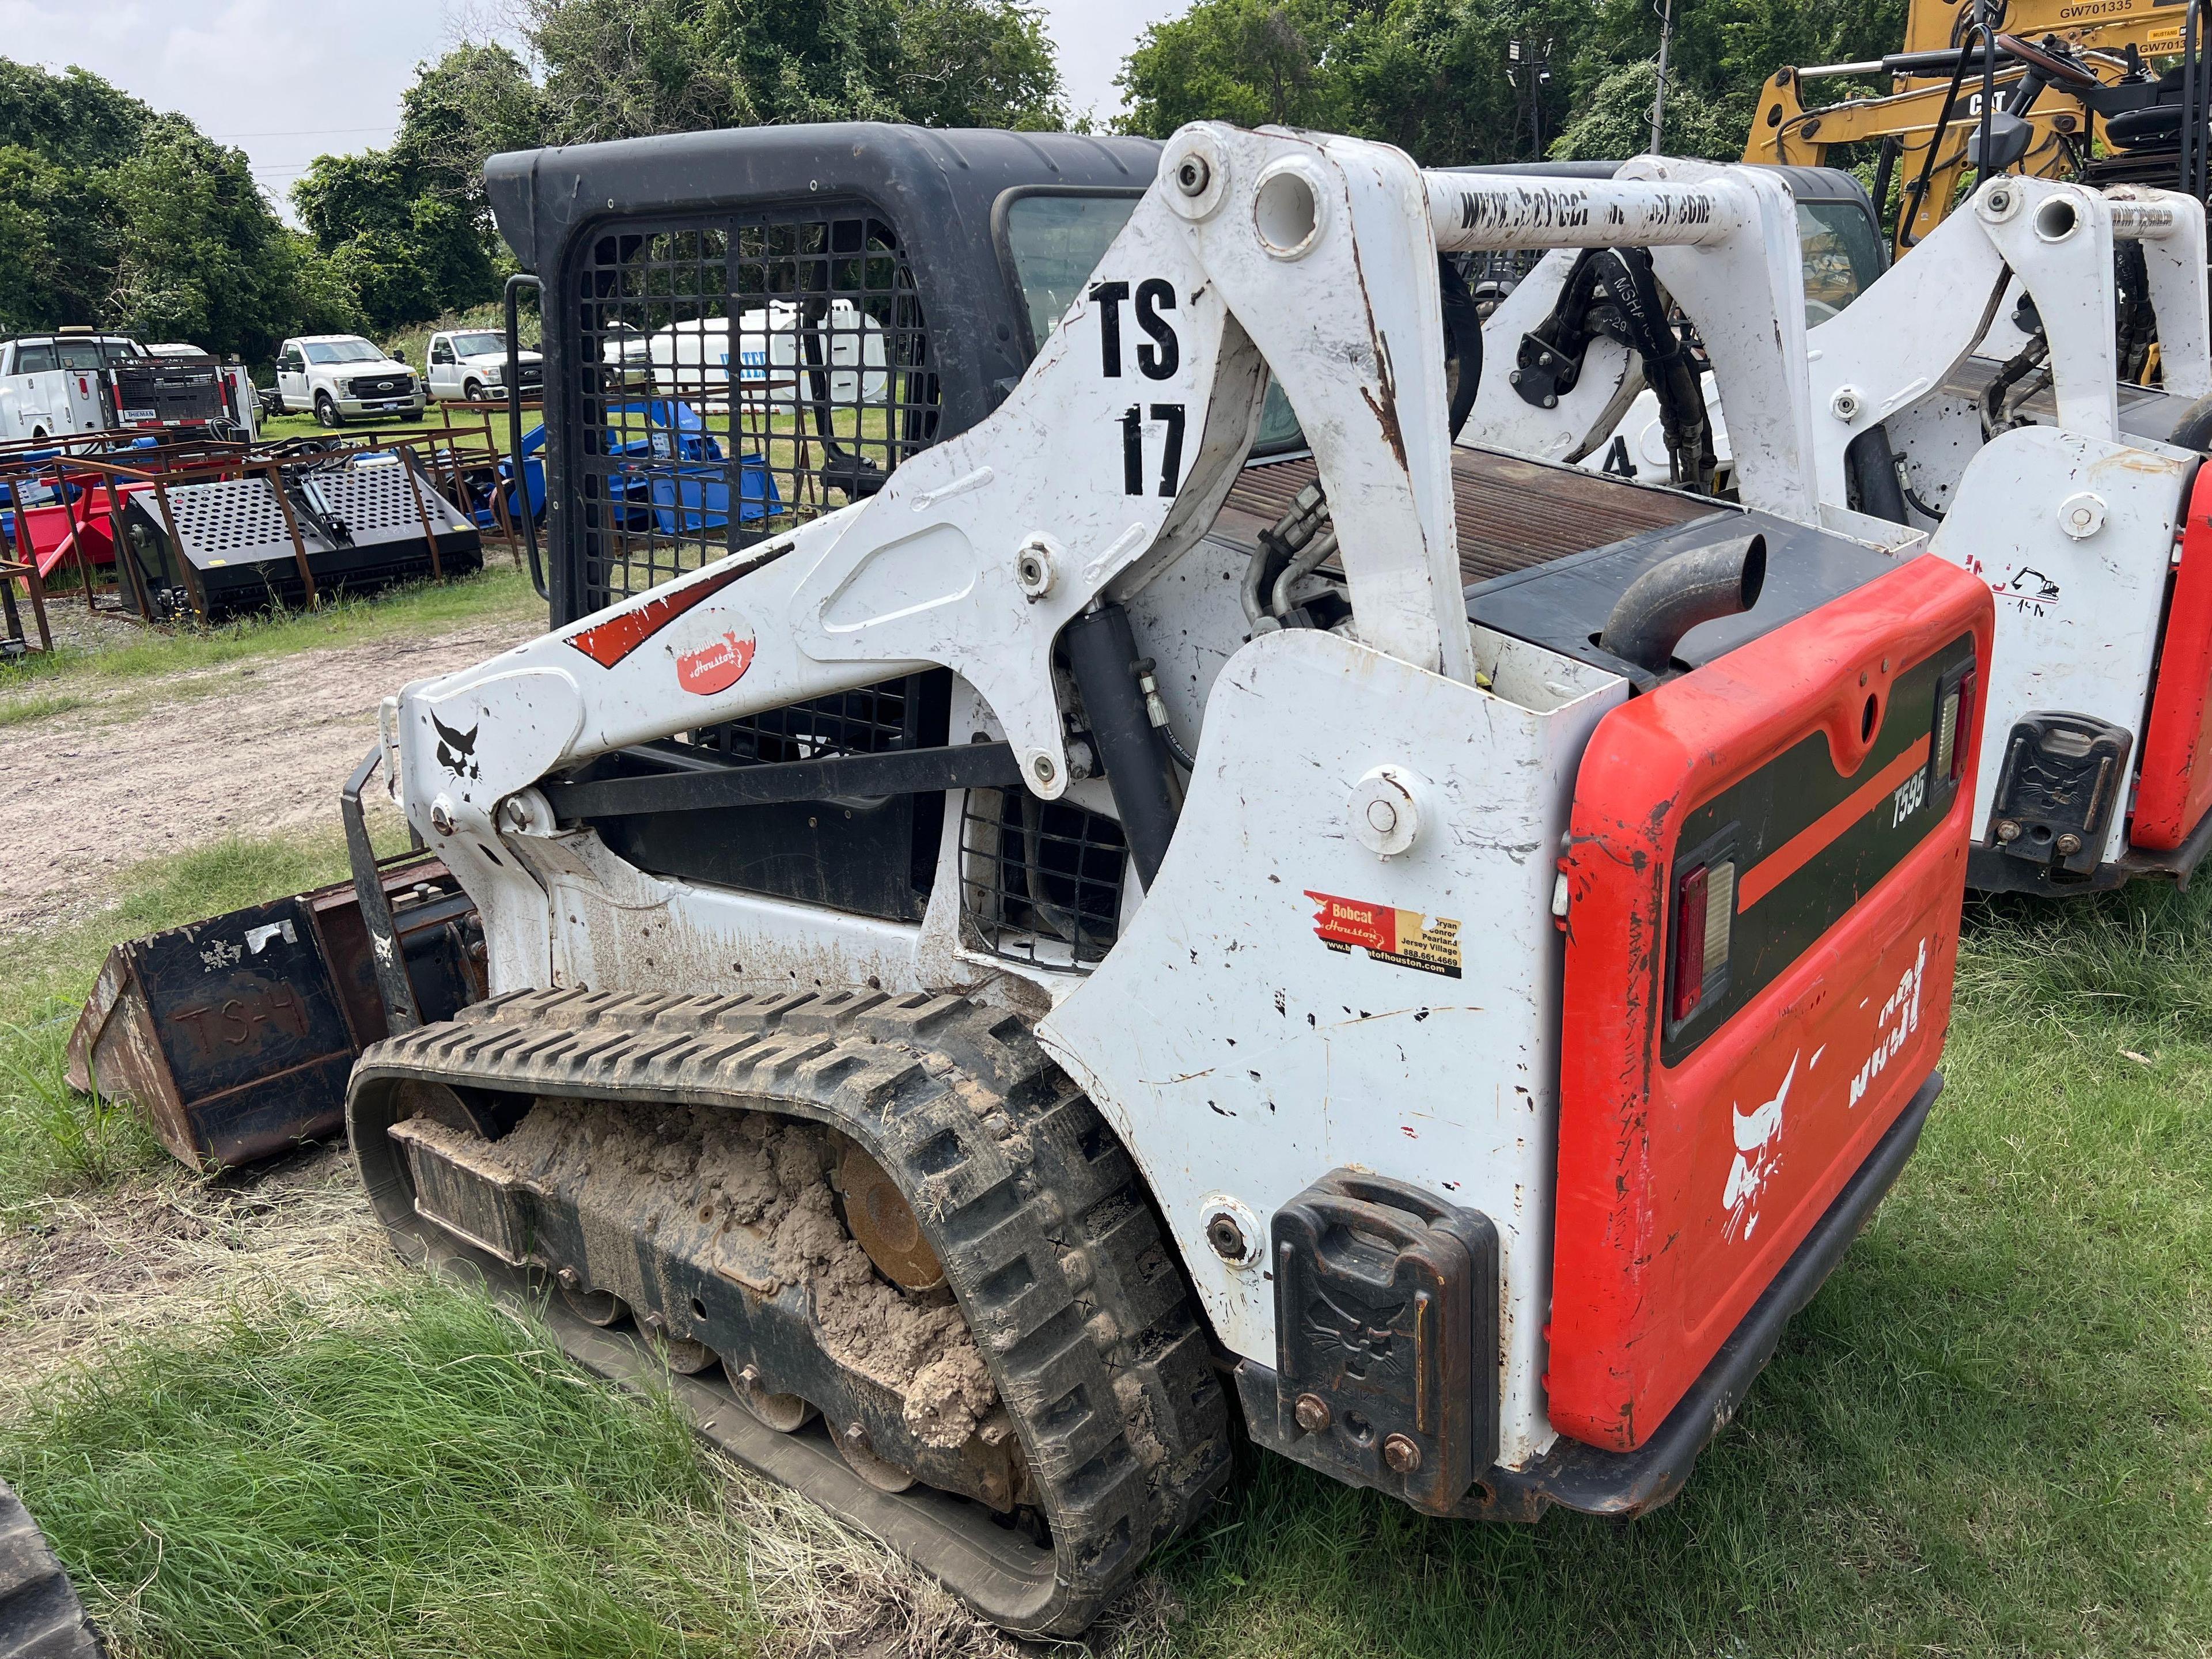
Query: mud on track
point(190, 758)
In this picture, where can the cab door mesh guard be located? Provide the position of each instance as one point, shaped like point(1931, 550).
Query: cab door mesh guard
point(733, 377)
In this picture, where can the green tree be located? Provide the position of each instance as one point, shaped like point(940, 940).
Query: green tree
point(973, 63)
point(407, 229)
point(1253, 62)
point(1434, 76)
point(113, 214)
point(1617, 120)
point(74, 118)
point(623, 69)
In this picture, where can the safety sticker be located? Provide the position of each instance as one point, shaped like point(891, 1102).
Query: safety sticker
point(1405, 938)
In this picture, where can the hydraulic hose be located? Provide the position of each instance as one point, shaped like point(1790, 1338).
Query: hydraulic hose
point(1101, 653)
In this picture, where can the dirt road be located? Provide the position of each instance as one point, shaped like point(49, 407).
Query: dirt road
point(194, 757)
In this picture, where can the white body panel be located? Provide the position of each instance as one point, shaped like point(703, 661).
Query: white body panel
point(52, 402)
point(2077, 619)
point(1239, 1055)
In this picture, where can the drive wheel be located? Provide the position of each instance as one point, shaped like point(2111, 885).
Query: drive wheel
point(40, 1617)
point(326, 411)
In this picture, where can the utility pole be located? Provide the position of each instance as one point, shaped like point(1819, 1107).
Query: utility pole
point(1527, 55)
point(1659, 99)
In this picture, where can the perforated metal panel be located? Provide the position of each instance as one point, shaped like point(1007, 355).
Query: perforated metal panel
point(371, 498)
point(735, 376)
point(232, 521)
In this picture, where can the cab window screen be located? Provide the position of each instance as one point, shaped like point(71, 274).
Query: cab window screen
point(1842, 256)
point(732, 378)
point(34, 360)
point(1057, 241)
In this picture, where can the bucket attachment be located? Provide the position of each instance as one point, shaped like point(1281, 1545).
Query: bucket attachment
point(285, 535)
point(234, 1037)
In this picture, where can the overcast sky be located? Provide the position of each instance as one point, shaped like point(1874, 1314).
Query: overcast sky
point(288, 80)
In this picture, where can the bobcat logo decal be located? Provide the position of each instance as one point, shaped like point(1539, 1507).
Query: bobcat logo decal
point(457, 750)
point(1758, 1155)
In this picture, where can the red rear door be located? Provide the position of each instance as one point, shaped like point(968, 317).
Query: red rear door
point(2175, 772)
point(1768, 861)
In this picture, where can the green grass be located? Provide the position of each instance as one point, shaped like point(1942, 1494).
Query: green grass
point(426, 1478)
point(17, 711)
point(432, 423)
point(53, 1141)
point(39, 686)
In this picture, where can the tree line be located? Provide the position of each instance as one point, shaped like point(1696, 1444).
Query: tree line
point(115, 214)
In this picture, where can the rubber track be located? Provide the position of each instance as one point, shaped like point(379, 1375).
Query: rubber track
point(1032, 1202)
point(40, 1617)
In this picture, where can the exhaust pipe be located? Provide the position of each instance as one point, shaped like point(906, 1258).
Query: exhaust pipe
point(1676, 594)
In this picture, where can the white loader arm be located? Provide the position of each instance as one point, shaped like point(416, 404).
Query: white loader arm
point(1311, 256)
point(1910, 330)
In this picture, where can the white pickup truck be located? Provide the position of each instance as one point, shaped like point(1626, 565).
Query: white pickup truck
point(471, 364)
point(74, 381)
point(342, 377)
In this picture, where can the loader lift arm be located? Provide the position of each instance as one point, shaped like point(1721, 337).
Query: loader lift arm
point(1113, 455)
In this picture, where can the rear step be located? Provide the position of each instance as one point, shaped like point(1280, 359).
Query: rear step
point(1032, 1205)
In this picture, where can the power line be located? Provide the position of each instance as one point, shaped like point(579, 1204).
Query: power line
point(305, 132)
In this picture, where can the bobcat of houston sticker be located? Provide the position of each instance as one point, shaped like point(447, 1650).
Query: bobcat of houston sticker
point(716, 665)
point(1404, 938)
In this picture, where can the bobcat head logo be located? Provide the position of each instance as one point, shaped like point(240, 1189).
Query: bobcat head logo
point(457, 749)
point(1365, 1335)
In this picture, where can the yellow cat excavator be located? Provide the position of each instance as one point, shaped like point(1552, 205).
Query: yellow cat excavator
point(2072, 90)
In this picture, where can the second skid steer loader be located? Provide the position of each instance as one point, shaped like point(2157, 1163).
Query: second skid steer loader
point(1086, 943)
point(1973, 395)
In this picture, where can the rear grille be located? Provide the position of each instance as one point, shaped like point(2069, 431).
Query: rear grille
point(731, 377)
point(1040, 881)
point(1512, 514)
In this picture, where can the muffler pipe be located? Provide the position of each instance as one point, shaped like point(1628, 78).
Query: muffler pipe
point(1676, 594)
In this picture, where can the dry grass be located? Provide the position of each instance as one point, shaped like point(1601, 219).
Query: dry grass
point(82, 1275)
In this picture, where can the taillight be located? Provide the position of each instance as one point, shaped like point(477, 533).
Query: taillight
point(1954, 729)
point(1704, 922)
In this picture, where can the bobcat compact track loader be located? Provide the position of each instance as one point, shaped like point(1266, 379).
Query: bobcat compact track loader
point(1087, 943)
point(1979, 376)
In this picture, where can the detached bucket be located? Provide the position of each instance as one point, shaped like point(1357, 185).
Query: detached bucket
point(234, 1037)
